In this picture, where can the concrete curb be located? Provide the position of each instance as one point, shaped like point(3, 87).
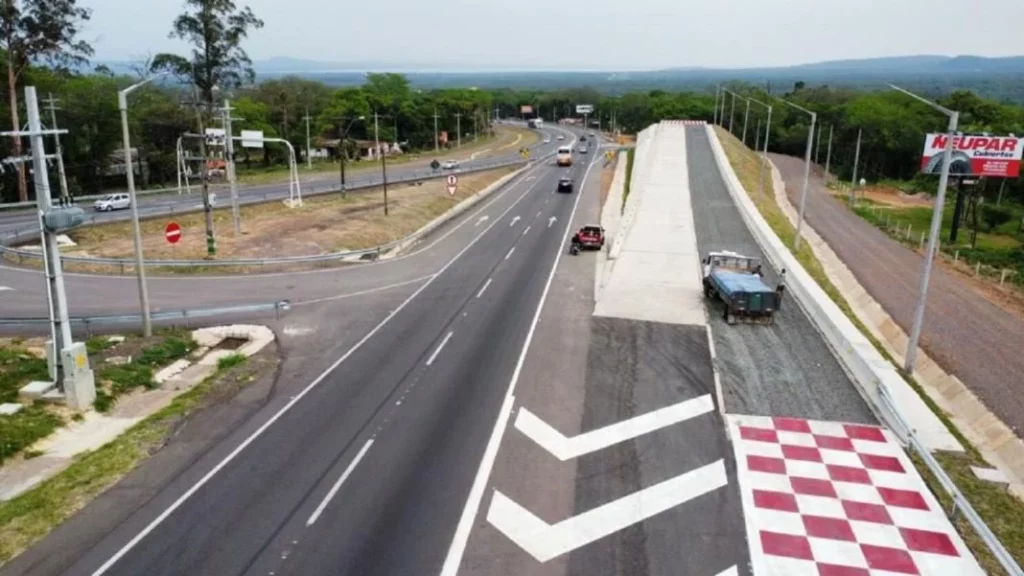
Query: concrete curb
point(870, 371)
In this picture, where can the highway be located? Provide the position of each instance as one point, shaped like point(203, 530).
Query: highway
point(361, 461)
point(158, 204)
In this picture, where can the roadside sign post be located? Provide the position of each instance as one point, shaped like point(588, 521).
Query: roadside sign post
point(453, 184)
point(172, 233)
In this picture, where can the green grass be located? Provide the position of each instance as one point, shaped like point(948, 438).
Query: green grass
point(120, 379)
point(27, 518)
point(1003, 512)
point(98, 344)
point(629, 174)
point(32, 423)
point(230, 361)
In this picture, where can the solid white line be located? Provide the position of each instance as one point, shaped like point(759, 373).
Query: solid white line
point(362, 292)
point(337, 485)
point(476, 492)
point(295, 399)
point(481, 292)
point(511, 250)
point(439, 348)
point(525, 231)
point(5, 288)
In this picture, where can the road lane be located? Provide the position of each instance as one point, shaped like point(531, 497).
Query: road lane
point(233, 518)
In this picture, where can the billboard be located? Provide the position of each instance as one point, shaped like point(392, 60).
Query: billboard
point(215, 136)
point(995, 156)
point(252, 138)
point(584, 108)
point(526, 109)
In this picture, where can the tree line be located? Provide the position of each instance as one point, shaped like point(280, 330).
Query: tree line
point(40, 46)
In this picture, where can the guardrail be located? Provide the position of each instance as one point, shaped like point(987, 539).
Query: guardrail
point(185, 316)
point(908, 436)
point(32, 232)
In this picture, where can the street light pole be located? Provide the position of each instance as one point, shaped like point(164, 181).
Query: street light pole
point(828, 154)
point(746, 116)
point(309, 157)
point(856, 161)
point(437, 146)
point(807, 171)
point(714, 116)
point(732, 111)
point(933, 233)
point(140, 270)
point(764, 154)
point(342, 153)
point(458, 129)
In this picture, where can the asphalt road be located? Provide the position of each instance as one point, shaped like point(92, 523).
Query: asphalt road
point(963, 331)
point(364, 468)
point(785, 369)
point(99, 294)
point(11, 221)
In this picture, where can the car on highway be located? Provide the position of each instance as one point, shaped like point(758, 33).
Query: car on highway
point(547, 141)
point(587, 238)
point(112, 202)
point(583, 149)
point(450, 165)
point(583, 138)
point(561, 136)
point(565, 184)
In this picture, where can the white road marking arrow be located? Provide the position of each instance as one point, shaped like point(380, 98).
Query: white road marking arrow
point(567, 448)
point(481, 220)
point(514, 220)
point(551, 221)
point(4, 288)
point(545, 541)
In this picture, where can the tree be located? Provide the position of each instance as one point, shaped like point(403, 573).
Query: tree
point(215, 29)
point(38, 31)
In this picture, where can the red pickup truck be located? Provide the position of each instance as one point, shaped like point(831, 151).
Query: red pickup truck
point(587, 238)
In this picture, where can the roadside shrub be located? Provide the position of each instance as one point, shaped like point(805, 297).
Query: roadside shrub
point(994, 216)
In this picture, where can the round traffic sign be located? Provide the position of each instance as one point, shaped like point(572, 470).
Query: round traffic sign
point(453, 179)
point(172, 233)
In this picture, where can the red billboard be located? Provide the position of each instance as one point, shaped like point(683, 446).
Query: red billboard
point(995, 156)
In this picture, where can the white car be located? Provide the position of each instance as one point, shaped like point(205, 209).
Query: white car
point(112, 202)
point(450, 165)
point(561, 136)
point(547, 141)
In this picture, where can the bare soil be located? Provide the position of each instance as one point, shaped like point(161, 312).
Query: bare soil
point(894, 197)
point(323, 224)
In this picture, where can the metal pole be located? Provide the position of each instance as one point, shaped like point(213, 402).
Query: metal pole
point(384, 177)
point(714, 116)
point(807, 177)
point(376, 135)
point(309, 157)
point(140, 269)
point(764, 160)
point(60, 155)
point(933, 238)
point(458, 128)
point(732, 111)
point(229, 149)
point(828, 154)
point(746, 116)
point(817, 146)
point(757, 135)
point(437, 146)
point(856, 161)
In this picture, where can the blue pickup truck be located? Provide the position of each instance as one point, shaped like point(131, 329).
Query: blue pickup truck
point(736, 280)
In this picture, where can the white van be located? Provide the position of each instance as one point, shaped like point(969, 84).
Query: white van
point(112, 202)
point(564, 156)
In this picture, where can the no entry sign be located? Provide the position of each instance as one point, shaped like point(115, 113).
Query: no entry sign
point(172, 233)
point(453, 184)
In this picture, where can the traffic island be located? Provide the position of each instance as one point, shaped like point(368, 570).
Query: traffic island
point(322, 225)
point(79, 456)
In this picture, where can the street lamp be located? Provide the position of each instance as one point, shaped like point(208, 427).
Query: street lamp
point(764, 154)
point(807, 170)
point(933, 234)
point(342, 136)
point(140, 270)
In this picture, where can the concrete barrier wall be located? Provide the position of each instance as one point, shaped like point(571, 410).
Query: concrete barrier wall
point(870, 371)
point(643, 156)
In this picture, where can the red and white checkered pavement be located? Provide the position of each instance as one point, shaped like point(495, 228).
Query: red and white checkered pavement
point(686, 122)
point(833, 499)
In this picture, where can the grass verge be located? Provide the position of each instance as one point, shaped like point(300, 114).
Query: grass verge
point(630, 153)
point(113, 380)
point(29, 517)
point(1003, 513)
point(18, 431)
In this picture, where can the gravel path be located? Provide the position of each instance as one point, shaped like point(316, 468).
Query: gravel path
point(965, 333)
point(785, 369)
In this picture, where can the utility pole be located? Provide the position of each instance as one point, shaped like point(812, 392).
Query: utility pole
point(746, 116)
point(51, 105)
point(458, 128)
point(437, 145)
point(828, 154)
point(229, 151)
point(309, 157)
point(817, 145)
point(376, 135)
point(211, 240)
point(856, 160)
point(384, 177)
point(732, 111)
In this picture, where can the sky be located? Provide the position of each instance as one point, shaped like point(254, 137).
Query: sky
point(582, 35)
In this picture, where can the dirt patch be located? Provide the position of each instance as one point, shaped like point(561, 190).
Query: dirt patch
point(1008, 298)
point(894, 197)
point(324, 224)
